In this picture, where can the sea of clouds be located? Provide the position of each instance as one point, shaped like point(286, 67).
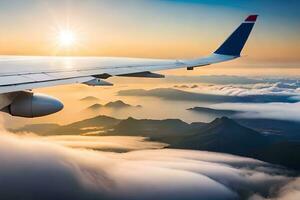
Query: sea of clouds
point(272, 110)
point(38, 168)
point(278, 88)
point(287, 109)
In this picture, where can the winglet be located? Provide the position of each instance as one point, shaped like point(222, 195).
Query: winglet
point(251, 18)
point(236, 41)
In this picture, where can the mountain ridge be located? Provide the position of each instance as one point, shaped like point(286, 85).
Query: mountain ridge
point(220, 135)
point(113, 105)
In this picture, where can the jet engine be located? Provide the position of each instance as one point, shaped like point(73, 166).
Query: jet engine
point(27, 104)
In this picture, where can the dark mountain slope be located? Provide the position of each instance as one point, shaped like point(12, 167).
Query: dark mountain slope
point(155, 129)
point(224, 135)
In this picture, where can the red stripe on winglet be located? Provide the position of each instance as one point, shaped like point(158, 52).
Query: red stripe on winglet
point(251, 18)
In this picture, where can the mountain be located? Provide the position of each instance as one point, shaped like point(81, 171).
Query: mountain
point(176, 94)
point(285, 128)
point(40, 129)
point(114, 105)
point(224, 135)
point(95, 106)
point(100, 123)
point(288, 129)
point(284, 153)
point(117, 104)
point(90, 98)
point(221, 135)
point(211, 111)
point(154, 129)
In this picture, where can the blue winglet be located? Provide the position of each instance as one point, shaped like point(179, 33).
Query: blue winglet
point(236, 41)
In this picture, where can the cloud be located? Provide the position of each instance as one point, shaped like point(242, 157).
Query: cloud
point(270, 99)
point(291, 190)
point(277, 100)
point(281, 111)
point(112, 143)
point(214, 79)
point(282, 87)
point(40, 169)
point(242, 86)
point(215, 94)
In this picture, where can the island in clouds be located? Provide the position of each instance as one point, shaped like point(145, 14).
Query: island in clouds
point(113, 105)
point(90, 98)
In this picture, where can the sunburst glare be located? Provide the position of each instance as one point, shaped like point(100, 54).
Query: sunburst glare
point(66, 38)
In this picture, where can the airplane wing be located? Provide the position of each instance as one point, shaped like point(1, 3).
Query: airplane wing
point(25, 72)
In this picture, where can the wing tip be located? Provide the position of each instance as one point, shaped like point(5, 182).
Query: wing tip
point(251, 18)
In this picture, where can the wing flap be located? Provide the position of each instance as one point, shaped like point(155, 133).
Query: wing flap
point(14, 79)
point(41, 84)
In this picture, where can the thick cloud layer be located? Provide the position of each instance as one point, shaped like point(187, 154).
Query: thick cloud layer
point(111, 143)
point(39, 169)
point(281, 111)
point(284, 88)
point(286, 108)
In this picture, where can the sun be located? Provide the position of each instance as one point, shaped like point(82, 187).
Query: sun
point(66, 38)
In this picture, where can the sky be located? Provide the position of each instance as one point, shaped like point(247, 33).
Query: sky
point(148, 28)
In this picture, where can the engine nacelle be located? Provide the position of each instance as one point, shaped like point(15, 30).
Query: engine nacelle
point(27, 104)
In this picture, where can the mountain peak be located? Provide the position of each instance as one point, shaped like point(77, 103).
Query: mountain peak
point(117, 104)
point(223, 120)
point(89, 98)
point(224, 135)
point(95, 106)
point(130, 119)
point(229, 128)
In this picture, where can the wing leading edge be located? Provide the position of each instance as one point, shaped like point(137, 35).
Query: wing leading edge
point(23, 73)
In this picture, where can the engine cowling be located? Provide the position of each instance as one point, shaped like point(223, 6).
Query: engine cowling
point(27, 104)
